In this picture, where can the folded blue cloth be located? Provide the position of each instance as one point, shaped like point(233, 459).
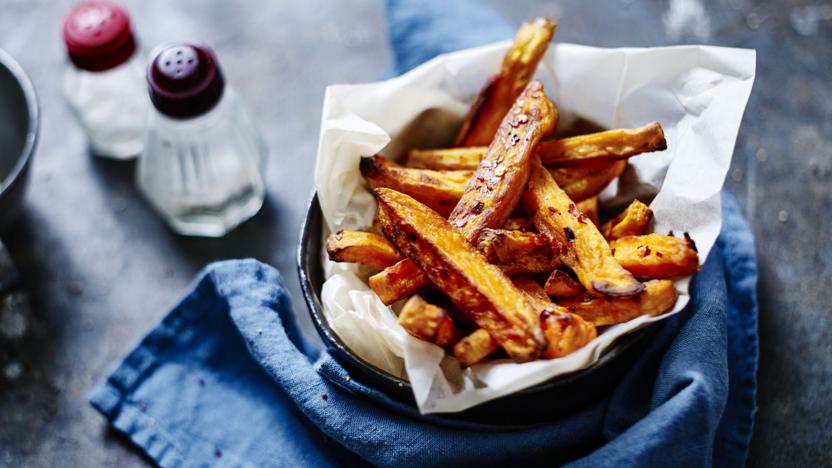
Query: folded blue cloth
point(222, 381)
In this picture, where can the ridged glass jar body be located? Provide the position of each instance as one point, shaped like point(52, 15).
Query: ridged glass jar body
point(204, 174)
point(111, 106)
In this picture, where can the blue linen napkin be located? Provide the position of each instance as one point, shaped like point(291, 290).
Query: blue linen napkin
point(222, 381)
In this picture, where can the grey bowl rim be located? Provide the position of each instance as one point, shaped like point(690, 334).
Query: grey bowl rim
point(33, 110)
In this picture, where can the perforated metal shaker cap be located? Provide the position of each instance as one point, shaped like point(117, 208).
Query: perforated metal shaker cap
point(98, 35)
point(185, 80)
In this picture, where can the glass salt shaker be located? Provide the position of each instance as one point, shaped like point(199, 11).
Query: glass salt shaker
point(105, 84)
point(203, 157)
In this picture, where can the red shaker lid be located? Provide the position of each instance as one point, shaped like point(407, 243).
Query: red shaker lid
point(98, 35)
point(185, 80)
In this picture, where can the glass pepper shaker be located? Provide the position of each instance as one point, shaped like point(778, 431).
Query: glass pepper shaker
point(203, 157)
point(105, 84)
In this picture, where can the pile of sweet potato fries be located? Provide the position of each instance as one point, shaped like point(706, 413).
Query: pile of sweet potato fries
point(496, 243)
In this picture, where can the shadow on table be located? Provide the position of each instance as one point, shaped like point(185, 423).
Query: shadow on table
point(257, 237)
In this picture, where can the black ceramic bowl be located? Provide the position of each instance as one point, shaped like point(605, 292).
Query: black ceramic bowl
point(18, 135)
point(559, 396)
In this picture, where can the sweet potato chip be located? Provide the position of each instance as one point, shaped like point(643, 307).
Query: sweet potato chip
point(656, 255)
point(657, 297)
point(565, 332)
point(561, 284)
point(582, 182)
point(463, 274)
point(589, 255)
point(440, 190)
point(437, 187)
point(534, 292)
point(634, 220)
point(361, 247)
point(428, 322)
point(579, 150)
point(498, 183)
point(475, 347)
point(398, 281)
point(513, 251)
point(518, 251)
point(446, 159)
point(501, 91)
point(602, 146)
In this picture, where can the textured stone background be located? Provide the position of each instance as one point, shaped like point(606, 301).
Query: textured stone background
point(102, 268)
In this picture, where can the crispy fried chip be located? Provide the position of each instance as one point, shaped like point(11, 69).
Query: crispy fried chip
point(446, 159)
point(398, 281)
point(475, 347)
point(440, 190)
point(534, 292)
point(361, 247)
point(656, 255)
point(565, 332)
point(513, 251)
point(602, 146)
point(498, 183)
point(579, 182)
point(428, 322)
point(634, 220)
point(501, 90)
point(457, 269)
point(658, 297)
point(561, 284)
point(579, 150)
point(518, 251)
point(582, 182)
point(589, 256)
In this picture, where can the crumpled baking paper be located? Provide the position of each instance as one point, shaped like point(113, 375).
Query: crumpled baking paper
point(697, 93)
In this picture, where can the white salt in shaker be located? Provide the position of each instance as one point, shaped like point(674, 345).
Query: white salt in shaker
point(105, 84)
point(203, 158)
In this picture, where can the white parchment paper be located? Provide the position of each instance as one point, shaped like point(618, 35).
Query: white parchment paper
point(697, 93)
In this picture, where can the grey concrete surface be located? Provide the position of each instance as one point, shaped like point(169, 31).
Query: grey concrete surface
point(102, 268)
